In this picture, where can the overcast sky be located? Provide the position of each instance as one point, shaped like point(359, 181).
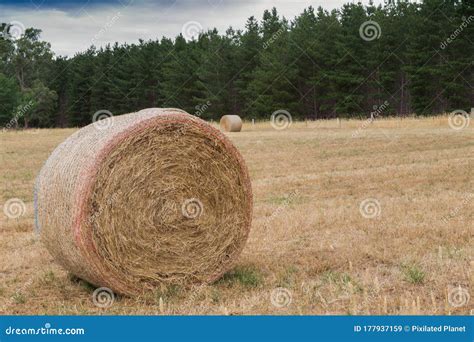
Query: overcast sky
point(74, 25)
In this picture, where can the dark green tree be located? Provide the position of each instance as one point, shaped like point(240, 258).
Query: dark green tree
point(9, 98)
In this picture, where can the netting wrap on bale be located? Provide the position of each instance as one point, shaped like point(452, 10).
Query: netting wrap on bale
point(231, 123)
point(154, 197)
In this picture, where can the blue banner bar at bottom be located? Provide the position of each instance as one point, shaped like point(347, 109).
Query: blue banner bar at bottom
point(237, 328)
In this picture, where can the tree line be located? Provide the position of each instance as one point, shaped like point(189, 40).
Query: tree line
point(410, 58)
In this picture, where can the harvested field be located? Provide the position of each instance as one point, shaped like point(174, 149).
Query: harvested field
point(356, 218)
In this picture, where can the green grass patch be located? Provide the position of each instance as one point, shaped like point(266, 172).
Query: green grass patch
point(413, 273)
point(286, 199)
point(247, 276)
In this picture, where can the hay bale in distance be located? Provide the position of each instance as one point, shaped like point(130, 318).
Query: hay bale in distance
point(231, 123)
point(158, 197)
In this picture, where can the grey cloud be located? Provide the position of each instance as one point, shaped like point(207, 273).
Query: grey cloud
point(73, 30)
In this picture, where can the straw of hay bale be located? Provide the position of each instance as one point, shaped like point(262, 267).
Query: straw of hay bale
point(231, 123)
point(159, 197)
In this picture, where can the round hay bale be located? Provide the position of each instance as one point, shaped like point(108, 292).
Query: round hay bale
point(231, 123)
point(148, 199)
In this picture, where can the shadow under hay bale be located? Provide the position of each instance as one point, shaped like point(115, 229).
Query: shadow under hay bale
point(153, 198)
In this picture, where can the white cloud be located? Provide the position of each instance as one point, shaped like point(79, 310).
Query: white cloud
point(75, 29)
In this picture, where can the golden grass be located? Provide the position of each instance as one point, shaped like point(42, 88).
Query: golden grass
point(308, 235)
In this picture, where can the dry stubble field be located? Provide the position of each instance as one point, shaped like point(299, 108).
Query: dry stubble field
point(312, 248)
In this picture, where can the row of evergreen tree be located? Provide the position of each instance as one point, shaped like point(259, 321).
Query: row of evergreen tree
point(415, 58)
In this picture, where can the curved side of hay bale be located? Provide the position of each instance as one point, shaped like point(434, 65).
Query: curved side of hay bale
point(156, 197)
point(231, 123)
